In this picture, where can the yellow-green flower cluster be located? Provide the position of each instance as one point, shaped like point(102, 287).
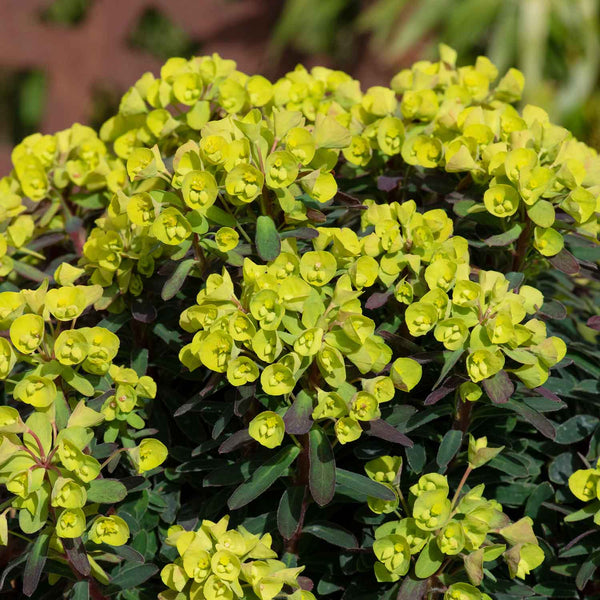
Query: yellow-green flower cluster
point(46, 168)
point(49, 473)
point(585, 485)
point(49, 365)
point(439, 528)
point(429, 270)
point(61, 361)
point(295, 319)
point(458, 120)
point(217, 563)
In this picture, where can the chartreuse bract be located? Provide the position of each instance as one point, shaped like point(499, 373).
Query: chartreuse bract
point(303, 303)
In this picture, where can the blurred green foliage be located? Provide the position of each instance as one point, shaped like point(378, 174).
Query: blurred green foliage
point(156, 34)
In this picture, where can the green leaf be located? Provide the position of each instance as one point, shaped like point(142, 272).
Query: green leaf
point(416, 457)
point(575, 429)
point(268, 242)
point(587, 570)
point(263, 478)
point(139, 360)
point(542, 493)
point(29, 272)
point(177, 279)
point(289, 511)
point(77, 381)
point(363, 485)
point(448, 448)
point(584, 513)
point(450, 359)
point(220, 217)
point(321, 475)
point(429, 561)
point(131, 577)
point(35, 562)
point(106, 491)
point(506, 238)
point(332, 533)
point(80, 591)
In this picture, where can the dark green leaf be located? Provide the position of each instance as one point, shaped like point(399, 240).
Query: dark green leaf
point(80, 591)
point(587, 570)
point(363, 485)
point(268, 242)
point(332, 533)
point(448, 448)
point(132, 576)
point(542, 493)
point(289, 511)
point(450, 359)
point(416, 457)
point(321, 475)
point(174, 283)
point(263, 478)
point(302, 233)
point(106, 491)
point(575, 429)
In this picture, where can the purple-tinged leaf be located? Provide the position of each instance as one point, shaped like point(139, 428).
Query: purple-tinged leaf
point(143, 310)
point(377, 300)
point(77, 555)
point(302, 233)
point(382, 430)
point(564, 261)
point(386, 183)
point(36, 560)
point(499, 388)
point(550, 395)
point(235, 441)
point(594, 322)
point(298, 419)
point(532, 416)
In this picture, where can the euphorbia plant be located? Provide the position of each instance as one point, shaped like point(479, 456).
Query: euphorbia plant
point(223, 309)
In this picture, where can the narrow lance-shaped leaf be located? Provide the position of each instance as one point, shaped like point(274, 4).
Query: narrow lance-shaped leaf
point(263, 478)
point(321, 475)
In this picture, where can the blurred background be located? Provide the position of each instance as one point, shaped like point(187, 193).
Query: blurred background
point(63, 61)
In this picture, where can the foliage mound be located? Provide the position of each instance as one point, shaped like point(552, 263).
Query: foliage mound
point(343, 317)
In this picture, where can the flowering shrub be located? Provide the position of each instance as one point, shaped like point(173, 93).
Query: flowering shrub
point(305, 308)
